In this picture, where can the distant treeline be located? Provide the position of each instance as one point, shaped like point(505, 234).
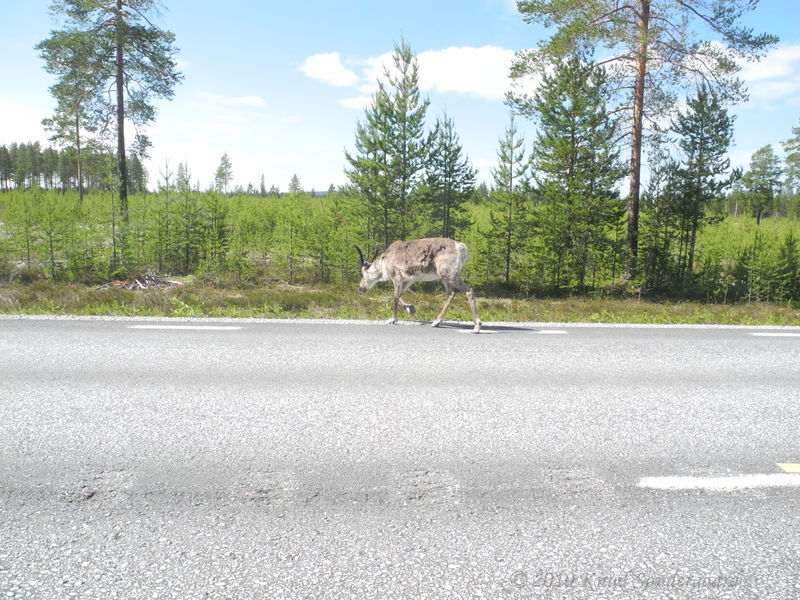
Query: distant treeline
point(246, 239)
point(27, 165)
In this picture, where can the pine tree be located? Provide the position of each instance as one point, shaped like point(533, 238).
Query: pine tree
point(787, 271)
point(450, 180)
point(223, 174)
point(408, 145)
point(294, 185)
point(111, 45)
point(792, 163)
point(66, 55)
point(6, 168)
point(369, 170)
point(578, 168)
point(511, 218)
point(706, 132)
point(762, 181)
point(649, 47)
point(391, 150)
point(138, 174)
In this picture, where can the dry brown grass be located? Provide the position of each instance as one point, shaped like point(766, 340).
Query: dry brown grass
point(332, 302)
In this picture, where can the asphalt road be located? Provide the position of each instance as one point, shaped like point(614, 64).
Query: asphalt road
point(307, 460)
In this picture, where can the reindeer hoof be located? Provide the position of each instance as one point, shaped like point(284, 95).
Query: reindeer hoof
point(410, 309)
point(436, 323)
point(391, 321)
point(477, 327)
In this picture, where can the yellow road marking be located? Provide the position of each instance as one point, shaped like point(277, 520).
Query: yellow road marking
point(789, 467)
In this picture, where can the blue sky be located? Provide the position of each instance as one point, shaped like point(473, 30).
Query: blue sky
point(279, 86)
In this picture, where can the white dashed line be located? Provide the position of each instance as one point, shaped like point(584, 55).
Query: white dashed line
point(721, 484)
point(538, 332)
point(186, 327)
point(776, 334)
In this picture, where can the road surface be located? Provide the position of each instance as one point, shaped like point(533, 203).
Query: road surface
point(246, 459)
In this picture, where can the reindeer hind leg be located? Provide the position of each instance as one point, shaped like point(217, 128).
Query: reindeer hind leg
point(451, 293)
point(473, 307)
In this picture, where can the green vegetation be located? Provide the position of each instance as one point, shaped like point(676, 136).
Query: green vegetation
point(108, 45)
point(651, 51)
point(250, 241)
point(552, 225)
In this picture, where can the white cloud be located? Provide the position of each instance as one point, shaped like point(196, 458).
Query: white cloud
point(740, 157)
point(223, 127)
point(780, 62)
point(358, 102)
point(232, 118)
point(481, 72)
point(231, 100)
point(776, 76)
point(21, 123)
point(329, 68)
point(478, 72)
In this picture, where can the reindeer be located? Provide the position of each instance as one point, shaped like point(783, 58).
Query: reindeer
point(429, 259)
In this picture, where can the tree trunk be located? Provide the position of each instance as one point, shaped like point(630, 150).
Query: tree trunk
point(636, 139)
point(687, 280)
point(508, 243)
point(120, 84)
point(78, 148)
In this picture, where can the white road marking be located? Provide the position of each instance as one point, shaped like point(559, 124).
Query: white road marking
point(730, 483)
point(193, 327)
point(776, 334)
point(488, 330)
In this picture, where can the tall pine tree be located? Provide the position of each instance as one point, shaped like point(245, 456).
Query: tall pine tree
point(111, 46)
point(651, 50)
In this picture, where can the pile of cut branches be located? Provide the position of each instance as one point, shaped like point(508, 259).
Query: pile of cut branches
point(143, 282)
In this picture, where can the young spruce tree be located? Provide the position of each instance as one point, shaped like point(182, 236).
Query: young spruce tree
point(450, 180)
point(391, 150)
point(706, 132)
point(511, 217)
point(577, 165)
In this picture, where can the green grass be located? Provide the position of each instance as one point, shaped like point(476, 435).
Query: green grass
point(195, 299)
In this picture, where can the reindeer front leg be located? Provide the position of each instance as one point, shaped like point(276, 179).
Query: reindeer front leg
point(409, 308)
point(398, 289)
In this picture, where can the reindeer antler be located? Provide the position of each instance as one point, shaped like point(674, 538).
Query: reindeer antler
point(360, 255)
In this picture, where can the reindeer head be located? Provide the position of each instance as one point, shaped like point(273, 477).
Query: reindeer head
point(371, 272)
